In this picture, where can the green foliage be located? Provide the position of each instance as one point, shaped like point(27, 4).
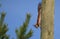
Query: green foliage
point(29, 34)
point(21, 32)
point(3, 27)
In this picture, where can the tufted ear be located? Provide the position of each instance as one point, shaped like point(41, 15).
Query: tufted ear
point(36, 26)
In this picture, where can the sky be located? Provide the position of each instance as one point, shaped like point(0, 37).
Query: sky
point(16, 11)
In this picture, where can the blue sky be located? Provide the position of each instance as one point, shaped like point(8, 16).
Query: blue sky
point(16, 11)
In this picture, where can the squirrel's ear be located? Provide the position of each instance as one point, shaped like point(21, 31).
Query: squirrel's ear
point(36, 26)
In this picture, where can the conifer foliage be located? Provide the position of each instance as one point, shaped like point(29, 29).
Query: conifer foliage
point(3, 27)
point(21, 32)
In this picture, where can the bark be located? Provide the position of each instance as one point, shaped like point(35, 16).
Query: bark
point(47, 23)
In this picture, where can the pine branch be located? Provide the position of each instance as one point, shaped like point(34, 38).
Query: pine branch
point(29, 34)
point(2, 18)
point(3, 27)
point(22, 31)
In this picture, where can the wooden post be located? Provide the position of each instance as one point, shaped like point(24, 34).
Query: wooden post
point(47, 23)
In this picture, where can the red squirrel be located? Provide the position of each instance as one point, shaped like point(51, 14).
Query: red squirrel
point(39, 16)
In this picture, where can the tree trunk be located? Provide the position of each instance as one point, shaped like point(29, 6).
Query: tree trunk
point(47, 23)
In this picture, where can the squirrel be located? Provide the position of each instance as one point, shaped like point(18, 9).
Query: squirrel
point(38, 23)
